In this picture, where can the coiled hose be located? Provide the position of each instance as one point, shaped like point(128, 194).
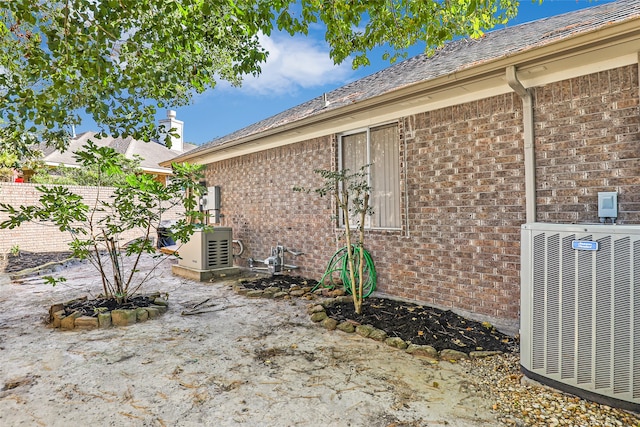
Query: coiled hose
point(338, 268)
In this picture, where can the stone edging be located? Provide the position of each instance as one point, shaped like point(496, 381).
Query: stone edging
point(274, 292)
point(319, 315)
point(59, 319)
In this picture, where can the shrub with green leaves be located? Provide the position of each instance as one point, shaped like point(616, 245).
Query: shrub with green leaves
point(350, 191)
point(137, 202)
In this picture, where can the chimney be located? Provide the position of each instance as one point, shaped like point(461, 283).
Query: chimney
point(177, 144)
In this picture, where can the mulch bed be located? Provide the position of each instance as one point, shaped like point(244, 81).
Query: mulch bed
point(92, 307)
point(283, 282)
point(420, 325)
point(423, 325)
point(14, 263)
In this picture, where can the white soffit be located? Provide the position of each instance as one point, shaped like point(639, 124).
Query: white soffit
point(579, 64)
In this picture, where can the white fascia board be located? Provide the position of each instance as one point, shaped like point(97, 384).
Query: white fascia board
point(157, 170)
point(554, 71)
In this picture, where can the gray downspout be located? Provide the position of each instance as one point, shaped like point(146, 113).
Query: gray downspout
point(406, 181)
point(529, 150)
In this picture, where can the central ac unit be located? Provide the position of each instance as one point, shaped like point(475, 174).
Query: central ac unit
point(580, 310)
point(207, 250)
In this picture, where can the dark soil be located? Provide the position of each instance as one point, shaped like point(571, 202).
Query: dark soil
point(417, 324)
point(283, 282)
point(423, 325)
point(94, 306)
point(14, 263)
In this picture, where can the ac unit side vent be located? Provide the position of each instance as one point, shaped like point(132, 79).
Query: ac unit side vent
point(580, 309)
point(553, 302)
point(585, 316)
point(622, 316)
point(635, 323)
point(538, 326)
point(568, 324)
point(218, 253)
point(603, 312)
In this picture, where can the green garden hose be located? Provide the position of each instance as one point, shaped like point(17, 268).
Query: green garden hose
point(338, 268)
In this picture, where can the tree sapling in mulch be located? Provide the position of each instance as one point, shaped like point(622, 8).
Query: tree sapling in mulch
point(350, 192)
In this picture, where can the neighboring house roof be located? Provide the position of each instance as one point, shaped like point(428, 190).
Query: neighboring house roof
point(152, 153)
point(447, 64)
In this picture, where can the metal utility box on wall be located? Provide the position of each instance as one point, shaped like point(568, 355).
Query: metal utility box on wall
point(210, 203)
point(580, 310)
point(211, 200)
point(208, 250)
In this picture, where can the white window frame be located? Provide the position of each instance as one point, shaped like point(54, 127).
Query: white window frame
point(367, 131)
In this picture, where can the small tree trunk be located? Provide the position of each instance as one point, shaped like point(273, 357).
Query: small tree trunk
point(120, 293)
point(103, 275)
point(365, 206)
point(344, 206)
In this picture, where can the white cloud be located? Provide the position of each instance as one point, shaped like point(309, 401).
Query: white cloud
point(295, 63)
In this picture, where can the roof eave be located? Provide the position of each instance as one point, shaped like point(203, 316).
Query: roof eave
point(492, 68)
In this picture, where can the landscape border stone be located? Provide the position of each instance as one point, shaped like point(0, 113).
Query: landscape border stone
point(58, 319)
point(317, 313)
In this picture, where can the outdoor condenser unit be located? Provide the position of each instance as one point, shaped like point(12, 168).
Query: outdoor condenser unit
point(580, 310)
point(208, 250)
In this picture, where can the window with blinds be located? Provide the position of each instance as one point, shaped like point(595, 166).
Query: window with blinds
point(378, 147)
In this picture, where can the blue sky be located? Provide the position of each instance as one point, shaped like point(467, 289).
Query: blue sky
point(299, 69)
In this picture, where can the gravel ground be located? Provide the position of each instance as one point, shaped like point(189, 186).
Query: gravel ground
point(522, 402)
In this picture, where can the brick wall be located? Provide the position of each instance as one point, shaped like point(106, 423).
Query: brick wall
point(588, 140)
point(258, 201)
point(459, 242)
point(463, 191)
point(466, 204)
point(42, 237)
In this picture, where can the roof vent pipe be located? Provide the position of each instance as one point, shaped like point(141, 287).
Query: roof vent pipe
point(325, 100)
point(529, 147)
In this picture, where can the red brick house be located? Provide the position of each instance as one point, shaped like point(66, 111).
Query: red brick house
point(526, 124)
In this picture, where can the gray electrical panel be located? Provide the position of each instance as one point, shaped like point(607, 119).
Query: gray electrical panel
point(211, 200)
point(211, 204)
point(608, 206)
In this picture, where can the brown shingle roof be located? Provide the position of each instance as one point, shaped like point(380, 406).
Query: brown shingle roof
point(152, 153)
point(453, 57)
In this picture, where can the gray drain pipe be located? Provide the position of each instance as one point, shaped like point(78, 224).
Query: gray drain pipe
point(529, 147)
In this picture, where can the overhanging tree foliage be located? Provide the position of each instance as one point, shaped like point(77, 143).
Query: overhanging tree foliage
point(118, 60)
point(86, 175)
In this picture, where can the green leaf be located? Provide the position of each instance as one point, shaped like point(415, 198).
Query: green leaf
point(117, 60)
